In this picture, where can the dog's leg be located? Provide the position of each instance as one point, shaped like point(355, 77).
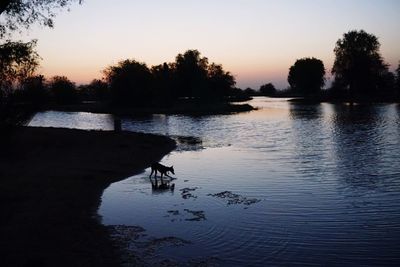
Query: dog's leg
point(152, 170)
point(156, 184)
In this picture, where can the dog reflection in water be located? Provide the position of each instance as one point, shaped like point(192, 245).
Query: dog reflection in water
point(162, 186)
point(163, 170)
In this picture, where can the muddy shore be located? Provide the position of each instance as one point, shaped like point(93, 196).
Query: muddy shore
point(51, 182)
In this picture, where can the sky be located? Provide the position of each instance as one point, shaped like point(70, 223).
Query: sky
point(256, 40)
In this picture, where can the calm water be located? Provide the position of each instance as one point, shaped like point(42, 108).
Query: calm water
point(326, 180)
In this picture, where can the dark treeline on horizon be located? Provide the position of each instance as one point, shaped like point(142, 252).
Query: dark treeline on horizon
point(190, 76)
point(359, 71)
point(190, 80)
point(129, 82)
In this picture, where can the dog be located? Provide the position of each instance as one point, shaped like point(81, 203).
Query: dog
point(162, 169)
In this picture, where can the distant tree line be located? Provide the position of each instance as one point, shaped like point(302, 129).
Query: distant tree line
point(22, 91)
point(190, 76)
point(19, 60)
point(59, 90)
point(359, 71)
point(129, 83)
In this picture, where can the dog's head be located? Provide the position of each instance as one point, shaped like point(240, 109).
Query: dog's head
point(171, 169)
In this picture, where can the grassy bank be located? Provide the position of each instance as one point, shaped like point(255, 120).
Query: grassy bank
point(50, 188)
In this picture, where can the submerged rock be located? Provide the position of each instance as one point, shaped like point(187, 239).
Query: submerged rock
point(198, 215)
point(233, 198)
point(186, 192)
point(173, 212)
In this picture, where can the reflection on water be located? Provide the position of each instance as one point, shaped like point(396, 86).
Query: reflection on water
point(76, 120)
point(325, 180)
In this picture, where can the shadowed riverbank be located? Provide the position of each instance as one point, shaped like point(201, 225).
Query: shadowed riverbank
point(51, 183)
point(185, 107)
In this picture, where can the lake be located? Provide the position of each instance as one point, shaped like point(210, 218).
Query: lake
point(287, 184)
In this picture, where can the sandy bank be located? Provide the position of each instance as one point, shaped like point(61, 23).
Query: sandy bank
point(50, 188)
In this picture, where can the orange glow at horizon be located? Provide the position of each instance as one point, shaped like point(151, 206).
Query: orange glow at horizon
point(256, 41)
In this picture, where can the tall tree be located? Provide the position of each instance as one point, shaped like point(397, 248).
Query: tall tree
point(18, 61)
point(398, 79)
point(220, 82)
point(358, 64)
point(307, 76)
point(23, 13)
point(267, 89)
point(163, 83)
point(191, 73)
point(96, 90)
point(63, 90)
point(130, 82)
point(34, 90)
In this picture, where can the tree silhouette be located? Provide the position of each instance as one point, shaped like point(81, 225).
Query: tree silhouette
point(189, 76)
point(23, 13)
point(191, 73)
point(386, 85)
point(18, 61)
point(163, 84)
point(358, 65)
point(130, 82)
point(220, 82)
point(34, 90)
point(268, 89)
point(63, 90)
point(195, 77)
point(249, 91)
point(398, 79)
point(96, 90)
point(306, 76)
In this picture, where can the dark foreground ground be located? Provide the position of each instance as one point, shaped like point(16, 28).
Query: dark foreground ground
point(51, 182)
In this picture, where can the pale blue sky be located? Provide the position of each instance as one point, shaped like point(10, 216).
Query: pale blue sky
point(257, 40)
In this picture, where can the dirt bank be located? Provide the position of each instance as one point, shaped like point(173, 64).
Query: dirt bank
point(51, 181)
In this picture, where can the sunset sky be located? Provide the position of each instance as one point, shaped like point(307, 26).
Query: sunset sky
point(256, 40)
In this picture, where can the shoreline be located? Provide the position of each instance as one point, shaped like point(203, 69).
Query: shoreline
point(183, 108)
point(51, 184)
point(331, 100)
